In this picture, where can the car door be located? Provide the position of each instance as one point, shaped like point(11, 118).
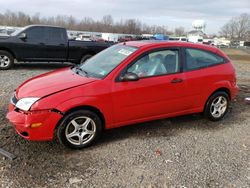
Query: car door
point(159, 91)
point(33, 46)
point(57, 44)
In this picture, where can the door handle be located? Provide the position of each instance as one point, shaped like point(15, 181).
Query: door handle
point(176, 80)
point(41, 43)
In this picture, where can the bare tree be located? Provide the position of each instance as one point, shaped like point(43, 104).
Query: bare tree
point(132, 26)
point(106, 24)
point(179, 31)
point(36, 18)
point(237, 28)
point(243, 26)
point(107, 20)
point(229, 29)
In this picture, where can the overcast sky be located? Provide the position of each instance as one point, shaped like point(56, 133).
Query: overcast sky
point(171, 13)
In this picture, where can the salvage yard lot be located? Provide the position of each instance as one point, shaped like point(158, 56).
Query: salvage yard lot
point(187, 151)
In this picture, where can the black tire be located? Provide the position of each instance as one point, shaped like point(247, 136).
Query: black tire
point(217, 106)
point(6, 60)
point(85, 57)
point(66, 136)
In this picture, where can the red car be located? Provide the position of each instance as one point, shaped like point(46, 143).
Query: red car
point(125, 84)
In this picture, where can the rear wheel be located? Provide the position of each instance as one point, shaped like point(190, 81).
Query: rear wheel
point(6, 60)
point(85, 58)
point(79, 129)
point(217, 106)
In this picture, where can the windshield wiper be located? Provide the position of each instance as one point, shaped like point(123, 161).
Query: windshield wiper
point(81, 70)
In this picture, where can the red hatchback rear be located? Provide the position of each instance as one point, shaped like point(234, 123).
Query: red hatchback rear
point(125, 84)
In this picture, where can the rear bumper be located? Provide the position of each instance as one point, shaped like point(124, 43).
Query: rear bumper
point(23, 121)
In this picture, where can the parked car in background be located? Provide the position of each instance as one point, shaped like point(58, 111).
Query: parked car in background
point(2, 34)
point(97, 38)
point(195, 39)
point(125, 38)
point(178, 39)
point(84, 38)
point(110, 37)
point(7, 30)
point(127, 83)
point(45, 43)
point(159, 36)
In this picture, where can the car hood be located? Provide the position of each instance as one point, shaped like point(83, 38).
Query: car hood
point(50, 83)
point(3, 36)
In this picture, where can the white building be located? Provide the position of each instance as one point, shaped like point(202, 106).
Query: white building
point(196, 36)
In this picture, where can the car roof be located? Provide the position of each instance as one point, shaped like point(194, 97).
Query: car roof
point(159, 44)
point(41, 25)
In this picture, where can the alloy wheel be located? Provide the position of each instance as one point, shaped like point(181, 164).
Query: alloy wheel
point(218, 106)
point(80, 130)
point(4, 61)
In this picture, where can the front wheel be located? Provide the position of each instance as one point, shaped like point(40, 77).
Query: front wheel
point(79, 129)
point(6, 60)
point(217, 106)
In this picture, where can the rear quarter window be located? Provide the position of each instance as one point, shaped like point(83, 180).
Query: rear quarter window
point(197, 59)
point(56, 35)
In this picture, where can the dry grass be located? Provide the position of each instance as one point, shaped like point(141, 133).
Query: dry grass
point(240, 57)
point(236, 54)
point(241, 61)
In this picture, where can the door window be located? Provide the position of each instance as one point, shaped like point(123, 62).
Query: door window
point(36, 34)
point(196, 59)
point(156, 63)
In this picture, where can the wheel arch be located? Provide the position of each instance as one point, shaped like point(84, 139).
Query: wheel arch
point(84, 107)
point(88, 52)
point(223, 89)
point(9, 51)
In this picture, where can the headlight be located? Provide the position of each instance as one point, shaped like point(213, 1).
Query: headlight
point(26, 103)
point(13, 99)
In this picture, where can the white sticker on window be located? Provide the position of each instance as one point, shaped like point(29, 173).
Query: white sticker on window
point(103, 72)
point(125, 52)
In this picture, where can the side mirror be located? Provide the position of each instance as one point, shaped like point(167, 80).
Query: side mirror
point(129, 77)
point(22, 36)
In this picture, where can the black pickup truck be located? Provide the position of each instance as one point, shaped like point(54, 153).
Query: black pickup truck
point(45, 43)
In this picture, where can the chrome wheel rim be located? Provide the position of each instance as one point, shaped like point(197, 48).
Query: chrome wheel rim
point(4, 61)
point(218, 107)
point(80, 130)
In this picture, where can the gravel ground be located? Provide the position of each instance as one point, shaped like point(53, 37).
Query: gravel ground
point(187, 151)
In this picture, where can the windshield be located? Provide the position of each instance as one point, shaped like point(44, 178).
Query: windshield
point(17, 31)
point(104, 62)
